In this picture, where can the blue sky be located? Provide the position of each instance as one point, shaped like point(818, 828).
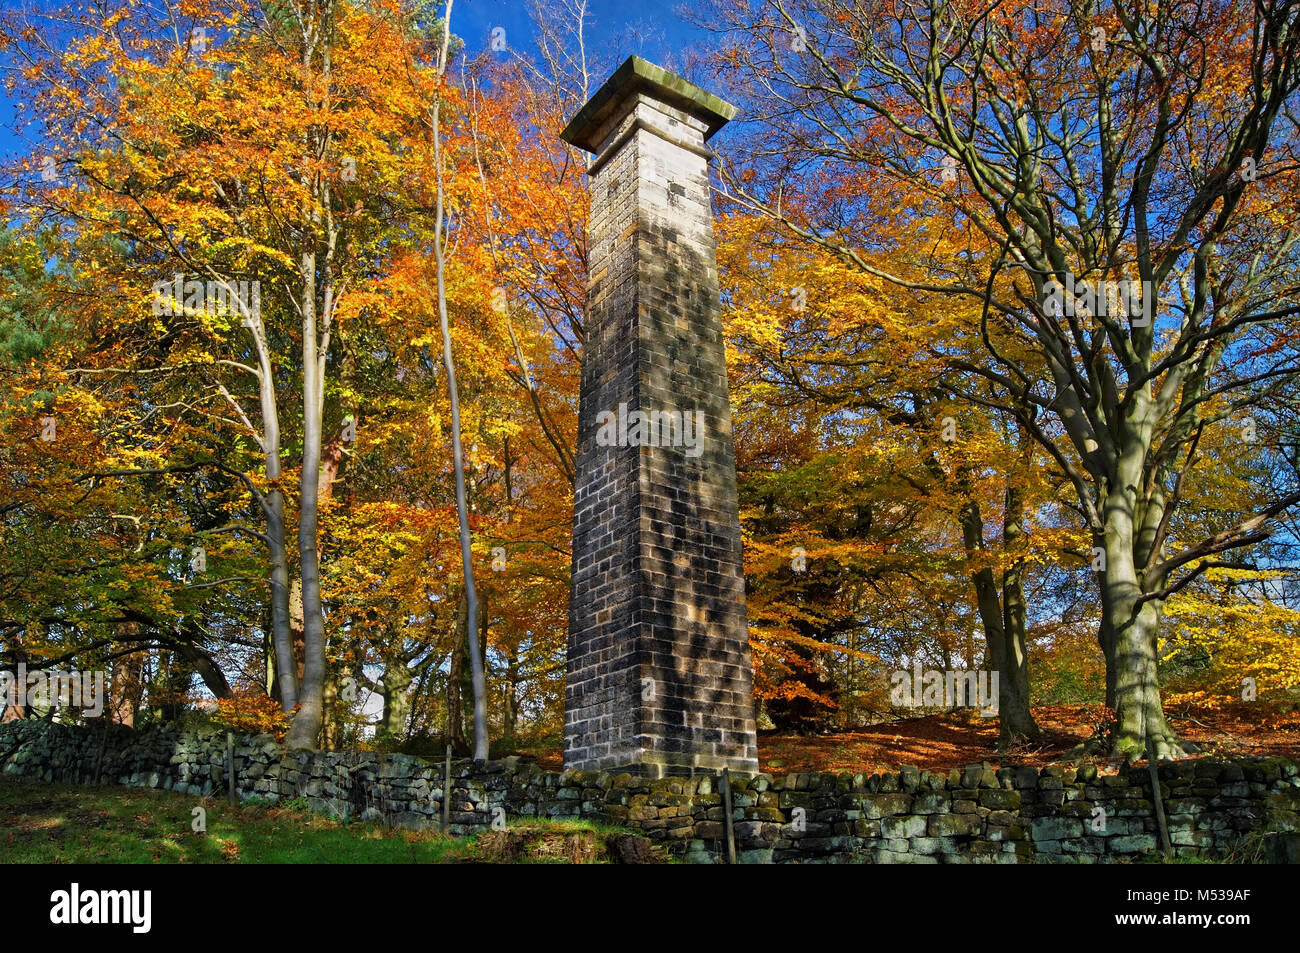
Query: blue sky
point(615, 29)
point(608, 24)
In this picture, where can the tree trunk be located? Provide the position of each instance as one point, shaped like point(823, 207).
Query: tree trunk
point(307, 723)
point(510, 697)
point(1005, 650)
point(316, 306)
point(397, 698)
point(331, 463)
point(125, 687)
point(456, 686)
point(1106, 639)
point(1016, 718)
point(170, 690)
point(462, 504)
point(481, 648)
point(1139, 715)
point(1131, 621)
point(331, 729)
point(298, 640)
point(285, 668)
point(18, 711)
point(281, 640)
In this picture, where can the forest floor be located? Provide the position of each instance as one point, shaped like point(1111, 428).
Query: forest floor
point(955, 739)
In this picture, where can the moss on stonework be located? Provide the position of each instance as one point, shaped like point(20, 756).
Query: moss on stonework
point(638, 75)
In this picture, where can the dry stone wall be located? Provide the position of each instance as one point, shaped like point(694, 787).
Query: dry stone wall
point(1057, 814)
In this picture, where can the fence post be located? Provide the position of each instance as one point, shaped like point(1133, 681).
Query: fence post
point(230, 765)
point(446, 792)
point(1158, 801)
point(726, 814)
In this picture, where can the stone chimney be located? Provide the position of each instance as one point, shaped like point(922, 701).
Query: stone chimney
point(659, 679)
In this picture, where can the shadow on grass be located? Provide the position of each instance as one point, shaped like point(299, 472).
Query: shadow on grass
point(62, 823)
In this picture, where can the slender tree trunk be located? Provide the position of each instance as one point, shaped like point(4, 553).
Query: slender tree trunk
point(315, 274)
point(281, 637)
point(170, 691)
point(307, 723)
point(456, 686)
point(18, 711)
point(510, 699)
point(330, 705)
point(482, 642)
point(1106, 639)
point(462, 505)
point(510, 704)
point(331, 463)
point(275, 532)
point(298, 640)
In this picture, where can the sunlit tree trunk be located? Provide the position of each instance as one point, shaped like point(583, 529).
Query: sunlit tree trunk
point(1006, 646)
point(316, 307)
point(462, 503)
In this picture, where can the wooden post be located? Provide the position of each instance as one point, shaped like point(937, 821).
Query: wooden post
point(1161, 823)
point(726, 814)
point(230, 766)
point(446, 792)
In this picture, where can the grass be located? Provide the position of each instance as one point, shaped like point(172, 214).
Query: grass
point(46, 823)
point(43, 823)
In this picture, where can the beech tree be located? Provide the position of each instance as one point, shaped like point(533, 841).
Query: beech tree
point(916, 476)
point(1081, 151)
point(222, 142)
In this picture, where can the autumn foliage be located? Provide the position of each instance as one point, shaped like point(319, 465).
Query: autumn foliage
point(194, 497)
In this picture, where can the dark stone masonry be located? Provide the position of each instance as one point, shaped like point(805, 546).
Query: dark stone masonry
point(659, 677)
point(978, 815)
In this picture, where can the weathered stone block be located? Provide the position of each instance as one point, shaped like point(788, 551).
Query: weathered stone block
point(1001, 800)
point(1055, 828)
point(949, 825)
point(932, 803)
point(1132, 844)
point(902, 826)
point(883, 805)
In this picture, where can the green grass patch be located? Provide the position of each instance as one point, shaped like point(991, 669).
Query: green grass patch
point(42, 823)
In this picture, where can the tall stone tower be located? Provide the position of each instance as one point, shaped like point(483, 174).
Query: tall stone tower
point(659, 679)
